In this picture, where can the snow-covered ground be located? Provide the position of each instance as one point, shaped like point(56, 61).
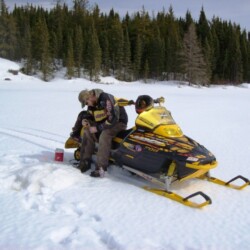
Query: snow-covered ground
point(50, 205)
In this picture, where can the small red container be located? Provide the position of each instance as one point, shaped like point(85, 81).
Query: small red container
point(59, 154)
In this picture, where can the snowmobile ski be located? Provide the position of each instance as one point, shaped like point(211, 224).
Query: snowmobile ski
point(169, 194)
point(183, 200)
point(229, 183)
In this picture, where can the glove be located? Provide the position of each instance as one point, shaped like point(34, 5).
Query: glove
point(85, 123)
point(159, 100)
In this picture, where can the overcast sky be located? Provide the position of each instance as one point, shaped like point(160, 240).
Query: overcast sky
point(237, 11)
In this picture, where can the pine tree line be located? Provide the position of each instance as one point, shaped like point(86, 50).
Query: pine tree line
point(136, 47)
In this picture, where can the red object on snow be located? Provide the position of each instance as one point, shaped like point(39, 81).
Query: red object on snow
point(59, 154)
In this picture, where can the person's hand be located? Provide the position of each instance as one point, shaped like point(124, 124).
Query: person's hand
point(85, 123)
point(92, 130)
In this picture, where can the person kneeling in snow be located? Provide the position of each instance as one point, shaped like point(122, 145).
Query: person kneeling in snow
point(115, 121)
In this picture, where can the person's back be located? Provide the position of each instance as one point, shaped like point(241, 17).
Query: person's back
point(114, 112)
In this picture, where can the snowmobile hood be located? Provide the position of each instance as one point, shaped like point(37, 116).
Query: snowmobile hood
point(160, 120)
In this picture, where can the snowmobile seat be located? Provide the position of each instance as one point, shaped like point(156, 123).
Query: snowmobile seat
point(124, 133)
point(120, 137)
point(143, 103)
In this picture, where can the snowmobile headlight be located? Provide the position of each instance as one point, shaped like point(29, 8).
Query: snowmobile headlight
point(172, 132)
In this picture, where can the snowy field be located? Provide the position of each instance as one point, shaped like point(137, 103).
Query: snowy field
point(48, 205)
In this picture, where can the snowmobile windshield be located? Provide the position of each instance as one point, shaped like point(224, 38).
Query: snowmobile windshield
point(155, 117)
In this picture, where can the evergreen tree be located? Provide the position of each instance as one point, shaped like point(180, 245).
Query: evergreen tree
point(204, 36)
point(80, 5)
point(172, 44)
point(28, 62)
point(40, 48)
point(56, 32)
point(70, 59)
point(245, 55)
point(93, 55)
point(78, 50)
point(234, 68)
point(11, 38)
point(115, 38)
point(203, 29)
point(146, 71)
point(215, 55)
point(7, 33)
point(126, 57)
point(155, 56)
point(3, 8)
point(136, 47)
point(137, 58)
point(195, 65)
point(188, 21)
point(46, 63)
point(208, 54)
point(105, 54)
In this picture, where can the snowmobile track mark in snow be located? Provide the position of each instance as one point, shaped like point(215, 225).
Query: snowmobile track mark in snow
point(35, 135)
point(29, 138)
point(43, 131)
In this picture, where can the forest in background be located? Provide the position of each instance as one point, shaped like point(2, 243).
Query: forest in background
point(138, 46)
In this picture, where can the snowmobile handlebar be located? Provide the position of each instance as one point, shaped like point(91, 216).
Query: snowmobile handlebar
point(131, 102)
point(159, 100)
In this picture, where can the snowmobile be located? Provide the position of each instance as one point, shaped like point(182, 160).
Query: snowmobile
point(157, 150)
point(75, 142)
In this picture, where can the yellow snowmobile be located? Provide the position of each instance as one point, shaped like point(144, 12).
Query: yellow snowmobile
point(157, 150)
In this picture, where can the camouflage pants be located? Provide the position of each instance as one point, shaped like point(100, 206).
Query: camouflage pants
point(104, 147)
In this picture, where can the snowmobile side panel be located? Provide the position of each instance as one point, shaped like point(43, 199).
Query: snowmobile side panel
point(141, 157)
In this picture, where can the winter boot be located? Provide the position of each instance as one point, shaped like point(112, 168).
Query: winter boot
point(84, 165)
point(99, 172)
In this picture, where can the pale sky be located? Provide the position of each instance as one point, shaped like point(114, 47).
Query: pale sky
point(236, 11)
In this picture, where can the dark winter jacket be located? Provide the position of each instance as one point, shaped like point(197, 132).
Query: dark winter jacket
point(113, 112)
